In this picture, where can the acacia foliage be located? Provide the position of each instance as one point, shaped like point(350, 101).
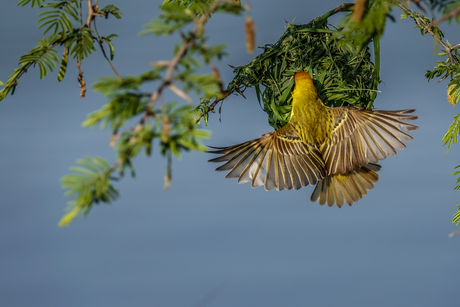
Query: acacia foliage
point(171, 125)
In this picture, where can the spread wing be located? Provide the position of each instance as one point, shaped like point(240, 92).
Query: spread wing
point(278, 160)
point(362, 136)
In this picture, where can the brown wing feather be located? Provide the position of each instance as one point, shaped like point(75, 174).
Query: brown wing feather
point(362, 136)
point(278, 160)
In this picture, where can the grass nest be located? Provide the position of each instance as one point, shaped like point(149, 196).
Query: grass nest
point(342, 73)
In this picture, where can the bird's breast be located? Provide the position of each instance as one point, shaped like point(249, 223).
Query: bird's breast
point(312, 121)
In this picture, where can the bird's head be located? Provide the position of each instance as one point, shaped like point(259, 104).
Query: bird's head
point(304, 83)
point(302, 75)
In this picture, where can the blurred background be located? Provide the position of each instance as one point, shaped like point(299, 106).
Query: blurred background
point(208, 239)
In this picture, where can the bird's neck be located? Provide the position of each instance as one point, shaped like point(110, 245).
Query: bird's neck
point(309, 115)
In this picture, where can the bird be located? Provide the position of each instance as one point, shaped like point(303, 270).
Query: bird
point(335, 148)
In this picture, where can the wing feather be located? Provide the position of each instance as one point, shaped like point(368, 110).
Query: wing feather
point(278, 160)
point(360, 137)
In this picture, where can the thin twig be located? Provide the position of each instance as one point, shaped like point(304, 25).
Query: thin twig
point(342, 7)
point(455, 46)
point(212, 106)
point(99, 40)
point(427, 29)
point(16, 80)
point(447, 48)
point(81, 14)
point(444, 17)
point(91, 14)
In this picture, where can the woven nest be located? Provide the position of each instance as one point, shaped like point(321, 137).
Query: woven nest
point(343, 75)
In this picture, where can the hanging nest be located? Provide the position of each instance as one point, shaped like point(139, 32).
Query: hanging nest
point(343, 74)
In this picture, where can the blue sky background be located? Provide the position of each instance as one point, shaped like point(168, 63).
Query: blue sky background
point(156, 247)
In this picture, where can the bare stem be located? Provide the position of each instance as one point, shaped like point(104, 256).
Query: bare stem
point(342, 7)
point(91, 14)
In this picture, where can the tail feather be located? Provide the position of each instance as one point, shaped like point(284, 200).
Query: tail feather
point(349, 187)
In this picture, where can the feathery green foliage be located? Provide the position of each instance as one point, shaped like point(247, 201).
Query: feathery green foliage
point(43, 55)
point(173, 18)
point(63, 67)
point(370, 27)
point(197, 7)
point(444, 7)
point(90, 182)
point(448, 67)
point(452, 134)
point(34, 2)
point(170, 125)
point(59, 17)
point(111, 10)
point(456, 218)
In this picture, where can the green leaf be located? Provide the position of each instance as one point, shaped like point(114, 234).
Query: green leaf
point(108, 40)
point(90, 184)
point(173, 17)
point(456, 218)
point(81, 43)
point(63, 68)
point(111, 10)
point(452, 134)
point(34, 2)
point(59, 17)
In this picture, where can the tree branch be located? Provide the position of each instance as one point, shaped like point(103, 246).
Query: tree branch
point(91, 14)
point(427, 29)
point(99, 40)
point(342, 7)
point(172, 65)
point(444, 17)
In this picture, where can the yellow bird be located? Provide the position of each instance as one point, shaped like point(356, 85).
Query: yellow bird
point(333, 148)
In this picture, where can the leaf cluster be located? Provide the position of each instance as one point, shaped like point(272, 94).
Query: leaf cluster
point(370, 26)
point(34, 2)
point(111, 10)
point(90, 182)
point(178, 13)
point(452, 134)
point(173, 18)
point(449, 66)
point(200, 7)
point(170, 126)
point(62, 25)
point(197, 7)
point(456, 218)
point(43, 55)
point(59, 17)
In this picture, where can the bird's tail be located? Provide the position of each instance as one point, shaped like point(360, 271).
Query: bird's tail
point(349, 187)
